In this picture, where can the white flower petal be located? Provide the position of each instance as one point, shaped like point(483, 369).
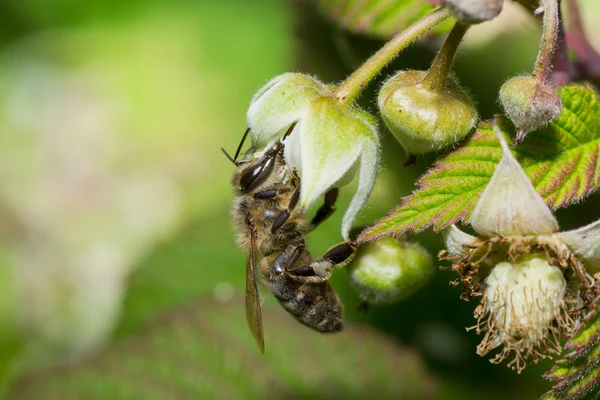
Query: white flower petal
point(292, 151)
point(510, 205)
point(331, 142)
point(456, 240)
point(369, 162)
point(584, 242)
point(282, 101)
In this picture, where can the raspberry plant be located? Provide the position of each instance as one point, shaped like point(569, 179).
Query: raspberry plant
point(527, 263)
point(537, 283)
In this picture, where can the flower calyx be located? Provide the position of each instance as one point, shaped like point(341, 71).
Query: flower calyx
point(328, 143)
point(529, 103)
point(429, 110)
point(424, 118)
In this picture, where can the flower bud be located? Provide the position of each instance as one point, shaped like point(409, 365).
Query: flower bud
point(387, 270)
point(523, 309)
point(327, 144)
point(475, 11)
point(280, 103)
point(529, 104)
point(424, 118)
point(327, 148)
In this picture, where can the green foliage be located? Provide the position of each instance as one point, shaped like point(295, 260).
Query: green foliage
point(184, 71)
point(161, 91)
point(577, 374)
point(193, 264)
point(561, 159)
point(183, 356)
point(380, 18)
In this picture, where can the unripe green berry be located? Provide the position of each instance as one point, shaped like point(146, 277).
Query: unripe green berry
point(424, 118)
point(388, 270)
point(529, 104)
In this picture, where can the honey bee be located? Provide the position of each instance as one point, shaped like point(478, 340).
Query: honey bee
point(273, 237)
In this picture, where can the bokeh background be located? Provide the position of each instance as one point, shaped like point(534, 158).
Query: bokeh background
point(119, 276)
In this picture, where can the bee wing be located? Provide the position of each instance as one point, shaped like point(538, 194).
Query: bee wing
point(253, 311)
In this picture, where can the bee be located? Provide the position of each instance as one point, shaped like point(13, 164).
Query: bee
point(273, 237)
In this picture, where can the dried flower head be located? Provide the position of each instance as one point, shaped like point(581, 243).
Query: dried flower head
point(532, 279)
point(523, 310)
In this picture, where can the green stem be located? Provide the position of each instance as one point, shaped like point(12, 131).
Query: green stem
point(543, 64)
point(353, 85)
point(440, 68)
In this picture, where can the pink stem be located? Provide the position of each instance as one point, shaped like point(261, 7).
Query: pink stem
point(562, 71)
point(588, 59)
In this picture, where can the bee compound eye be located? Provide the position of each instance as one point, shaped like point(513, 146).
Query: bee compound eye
point(257, 173)
point(250, 176)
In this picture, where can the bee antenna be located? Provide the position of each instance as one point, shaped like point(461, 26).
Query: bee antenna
point(290, 129)
point(237, 152)
point(228, 156)
point(287, 133)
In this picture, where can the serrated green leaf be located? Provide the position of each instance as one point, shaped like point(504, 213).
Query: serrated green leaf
point(204, 351)
point(577, 374)
point(379, 18)
point(562, 160)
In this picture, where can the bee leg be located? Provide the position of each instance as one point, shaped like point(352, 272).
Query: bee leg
point(285, 215)
point(266, 194)
point(286, 260)
point(269, 194)
point(326, 209)
point(340, 253)
point(321, 270)
point(337, 254)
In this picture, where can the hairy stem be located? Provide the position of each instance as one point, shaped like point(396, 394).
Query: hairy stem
point(353, 85)
point(440, 68)
point(543, 64)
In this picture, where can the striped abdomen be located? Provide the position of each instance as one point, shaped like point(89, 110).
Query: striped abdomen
point(315, 305)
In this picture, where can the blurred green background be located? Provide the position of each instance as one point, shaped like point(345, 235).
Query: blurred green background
point(119, 276)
